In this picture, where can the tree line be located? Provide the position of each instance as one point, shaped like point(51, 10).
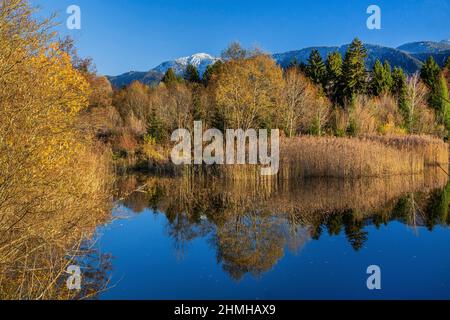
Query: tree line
point(247, 89)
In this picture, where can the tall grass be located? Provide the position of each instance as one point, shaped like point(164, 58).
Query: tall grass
point(433, 150)
point(344, 157)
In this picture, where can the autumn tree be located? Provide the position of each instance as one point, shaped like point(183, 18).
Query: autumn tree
point(248, 92)
point(302, 109)
point(52, 183)
point(234, 52)
point(212, 72)
point(419, 118)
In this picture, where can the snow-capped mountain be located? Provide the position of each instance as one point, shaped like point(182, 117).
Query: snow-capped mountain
point(199, 60)
point(409, 57)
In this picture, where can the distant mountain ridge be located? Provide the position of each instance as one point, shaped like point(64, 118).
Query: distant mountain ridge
point(409, 57)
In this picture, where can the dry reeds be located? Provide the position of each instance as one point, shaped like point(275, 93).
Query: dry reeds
point(345, 158)
point(433, 150)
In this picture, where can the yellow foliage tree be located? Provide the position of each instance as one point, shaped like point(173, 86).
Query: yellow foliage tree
point(248, 92)
point(52, 186)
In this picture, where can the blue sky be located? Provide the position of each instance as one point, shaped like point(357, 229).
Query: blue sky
point(124, 35)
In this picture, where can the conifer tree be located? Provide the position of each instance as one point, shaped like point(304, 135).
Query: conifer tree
point(170, 77)
point(432, 76)
point(354, 75)
point(399, 88)
point(191, 74)
point(155, 126)
point(381, 80)
point(430, 73)
point(212, 71)
point(443, 102)
point(334, 74)
point(315, 68)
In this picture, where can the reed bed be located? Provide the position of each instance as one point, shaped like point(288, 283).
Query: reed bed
point(433, 150)
point(346, 158)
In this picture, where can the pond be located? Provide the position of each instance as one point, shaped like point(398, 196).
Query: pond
point(206, 238)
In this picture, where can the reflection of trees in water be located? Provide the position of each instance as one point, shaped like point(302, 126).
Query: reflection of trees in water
point(36, 269)
point(250, 224)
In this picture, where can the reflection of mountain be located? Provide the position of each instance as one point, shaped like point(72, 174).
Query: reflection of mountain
point(251, 224)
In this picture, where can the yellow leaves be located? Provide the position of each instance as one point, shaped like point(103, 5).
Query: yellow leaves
point(248, 91)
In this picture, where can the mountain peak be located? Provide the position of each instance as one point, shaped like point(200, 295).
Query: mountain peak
point(199, 60)
point(408, 56)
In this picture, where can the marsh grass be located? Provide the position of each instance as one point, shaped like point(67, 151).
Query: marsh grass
point(433, 150)
point(346, 157)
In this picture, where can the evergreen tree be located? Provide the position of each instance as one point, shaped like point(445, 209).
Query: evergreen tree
point(293, 64)
point(198, 112)
point(438, 97)
point(302, 67)
point(354, 75)
point(191, 74)
point(443, 102)
point(170, 77)
point(315, 68)
point(333, 77)
point(212, 71)
point(399, 88)
point(155, 126)
point(430, 73)
point(381, 80)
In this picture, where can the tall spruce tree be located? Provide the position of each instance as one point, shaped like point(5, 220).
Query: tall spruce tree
point(438, 98)
point(170, 77)
point(399, 88)
point(354, 74)
point(430, 73)
point(333, 76)
point(315, 68)
point(443, 102)
point(431, 76)
point(381, 80)
point(191, 74)
point(155, 126)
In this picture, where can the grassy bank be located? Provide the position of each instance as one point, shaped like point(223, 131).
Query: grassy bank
point(372, 156)
point(309, 156)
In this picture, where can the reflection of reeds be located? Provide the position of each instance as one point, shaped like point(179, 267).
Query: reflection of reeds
point(250, 222)
point(300, 196)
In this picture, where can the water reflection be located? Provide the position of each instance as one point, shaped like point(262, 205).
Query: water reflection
point(251, 224)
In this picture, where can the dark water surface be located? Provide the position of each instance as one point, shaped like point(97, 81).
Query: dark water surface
point(182, 238)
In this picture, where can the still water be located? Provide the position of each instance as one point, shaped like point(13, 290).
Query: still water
point(180, 238)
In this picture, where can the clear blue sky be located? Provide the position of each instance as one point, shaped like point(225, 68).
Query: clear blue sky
point(124, 35)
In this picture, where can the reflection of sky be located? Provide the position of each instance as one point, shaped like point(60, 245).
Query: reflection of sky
point(414, 264)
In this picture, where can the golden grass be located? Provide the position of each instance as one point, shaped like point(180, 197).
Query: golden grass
point(345, 157)
point(433, 150)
